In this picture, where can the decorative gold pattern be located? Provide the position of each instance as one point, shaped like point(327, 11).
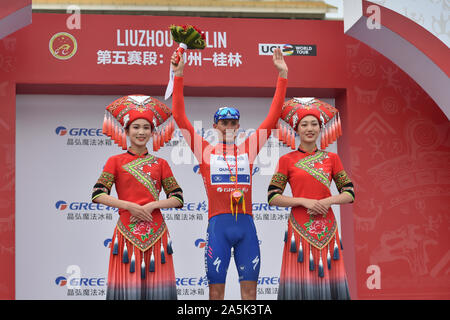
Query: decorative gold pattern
point(291, 113)
point(169, 184)
point(111, 108)
point(279, 180)
point(308, 164)
point(124, 111)
point(341, 179)
point(142, 245)
point(135, 168)
point(106, 179)
point(104, 190)
point(310, 238)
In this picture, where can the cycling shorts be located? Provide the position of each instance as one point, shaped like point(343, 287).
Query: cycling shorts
point(224, 233)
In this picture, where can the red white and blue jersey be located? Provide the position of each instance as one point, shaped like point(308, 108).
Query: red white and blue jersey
point(218, 163)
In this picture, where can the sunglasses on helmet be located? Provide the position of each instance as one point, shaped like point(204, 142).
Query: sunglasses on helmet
point(226, 113)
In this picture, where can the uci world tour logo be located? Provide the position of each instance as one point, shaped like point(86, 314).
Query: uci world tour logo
point(61, 131)
point(63, 46)
point(266, 49)
point(288, 50)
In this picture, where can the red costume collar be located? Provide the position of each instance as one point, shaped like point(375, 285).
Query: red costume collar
point(303, 151)
point(137, 154)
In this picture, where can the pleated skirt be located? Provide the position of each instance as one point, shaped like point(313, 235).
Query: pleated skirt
point(308, 273)
point(137, 275)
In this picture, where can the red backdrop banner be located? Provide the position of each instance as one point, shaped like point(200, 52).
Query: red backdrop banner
point(395, 147)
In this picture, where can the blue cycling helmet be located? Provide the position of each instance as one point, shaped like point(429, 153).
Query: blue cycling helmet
point(226, 113)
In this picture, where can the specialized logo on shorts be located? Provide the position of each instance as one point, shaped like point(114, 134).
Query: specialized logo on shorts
point(217, 264)
point(63, 46)
point(255, 262)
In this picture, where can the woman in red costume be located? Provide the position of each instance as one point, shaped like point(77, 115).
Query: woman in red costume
point(141, 264)
point(312, 266)
point(226, 170)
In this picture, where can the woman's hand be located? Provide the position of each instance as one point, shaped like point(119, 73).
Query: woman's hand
point(149, 207)
point(316, 206)
point(133, 219)
point(325, 203)
point(279, 63)
point(139, 213)
point(177, 68)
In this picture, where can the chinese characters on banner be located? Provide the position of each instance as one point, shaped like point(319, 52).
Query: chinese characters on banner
point(149, 58)
point(150, 39)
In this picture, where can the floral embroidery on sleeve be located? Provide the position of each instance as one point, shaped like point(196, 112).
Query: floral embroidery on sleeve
point(106, 179)
point(169, 184)
point(103, 185)
point(341, 179)
point(344, 184)
point(279, 180)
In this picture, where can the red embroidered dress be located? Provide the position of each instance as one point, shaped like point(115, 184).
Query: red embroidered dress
point(141, 264)
point(312, 266)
